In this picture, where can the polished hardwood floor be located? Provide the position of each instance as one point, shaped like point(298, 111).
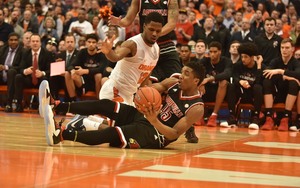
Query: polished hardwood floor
point(223, 158)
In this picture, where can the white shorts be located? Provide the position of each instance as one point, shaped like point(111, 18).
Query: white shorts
point(110, 91)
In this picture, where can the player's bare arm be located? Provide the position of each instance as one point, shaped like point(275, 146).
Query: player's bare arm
point(172, 133)
point(129, 18)
point(165, 84)
point(127, 49)
point(173, 12)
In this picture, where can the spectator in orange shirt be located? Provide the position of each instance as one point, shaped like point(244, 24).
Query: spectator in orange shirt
point(184, 29)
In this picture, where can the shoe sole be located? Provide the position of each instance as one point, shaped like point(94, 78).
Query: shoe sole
point(49, 125)
point(44, 97)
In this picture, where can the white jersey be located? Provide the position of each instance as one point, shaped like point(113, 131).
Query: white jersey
point(130, 72)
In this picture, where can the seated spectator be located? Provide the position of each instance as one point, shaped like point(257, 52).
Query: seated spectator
point(281, 85)
point(214, 86)
point(48, 31)
point(246, 86)
point(86, 71)
point(185, 54)
point(233, 50)
point(245, 35)
point(200, 49)
point(10, 58)
point(184, 29)
point(34, 68)
point(5, 29)
point(69, 55)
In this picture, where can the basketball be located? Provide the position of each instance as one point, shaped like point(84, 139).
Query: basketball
point(147, 95)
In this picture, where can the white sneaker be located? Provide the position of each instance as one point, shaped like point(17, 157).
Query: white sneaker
point(90, 125)
point(293, 128)
point(253, 126)
point(52, 133)
point(44, 97)
point(96, 118)
point(226, 125)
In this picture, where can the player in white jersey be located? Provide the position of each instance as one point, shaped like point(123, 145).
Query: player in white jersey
point(136, 58)
point(132, 71)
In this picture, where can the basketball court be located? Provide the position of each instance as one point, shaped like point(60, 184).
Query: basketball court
point(225, 158)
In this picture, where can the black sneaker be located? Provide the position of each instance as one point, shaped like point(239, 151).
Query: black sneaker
point(255, 122)
point(191, 136)
point(231, 122)
point(76, 123)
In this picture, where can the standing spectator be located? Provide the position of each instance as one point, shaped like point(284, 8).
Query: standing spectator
point(214, 86)
point(93, 11)
point(207, 33)
point(34, 67)
point(224, 34)
point(48, 31)
point(295, 32)
point(245, 35)
point(85, 73)
point(184, 29)
point(268, 43)
point(228, 18)
point(81, 27)
point(247, 85)
point(237, 24)
point(279, 29)
point(281, 85)
point(257, 26)
point(5, 29)
point(10, 58)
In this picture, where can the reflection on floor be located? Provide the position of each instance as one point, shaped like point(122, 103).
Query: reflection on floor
point(222, 158)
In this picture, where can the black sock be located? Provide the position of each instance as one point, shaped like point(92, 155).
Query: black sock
point(269, 112)
point(287, 113)
point(108, 135)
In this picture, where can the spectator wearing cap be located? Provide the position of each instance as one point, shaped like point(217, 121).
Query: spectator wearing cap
point(246, 85)
point(184, 29)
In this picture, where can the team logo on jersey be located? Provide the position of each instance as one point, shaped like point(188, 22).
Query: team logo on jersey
point(155, 1)
point(165, 2)
point(186, 105)
point(147, 1)
point(175, 89)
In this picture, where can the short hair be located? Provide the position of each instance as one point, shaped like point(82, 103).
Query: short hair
point(270, 19)
point(92, 36)
point(198, 70)
point(287, 40)
point(201, 40)
point(234, 41)
point(13, 34)
point(155, 17)
point(69, 35)
point(215, 44)
point(248, 48)
point(185, 45)
point(35, 34)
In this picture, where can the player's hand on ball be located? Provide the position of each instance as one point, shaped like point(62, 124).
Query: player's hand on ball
point(150, 112)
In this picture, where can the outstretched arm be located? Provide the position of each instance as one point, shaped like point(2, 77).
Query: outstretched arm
point(127, 49)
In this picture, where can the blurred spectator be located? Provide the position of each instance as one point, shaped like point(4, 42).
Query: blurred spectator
point(257, 26)
point(295, 32)
point(93, 11)
point(233, 50)
point(264, 12)
point(48, 31)
point(237, 24)
point(5, 29)
point(10, 58)
point(81, 27)
point(223, 32)
point(134, 28)
point(120, 7)
point(184, 29)
point(228, 18)
point(277, 5)
point(61, 46)
point(26, 39)
point(14, 22)
point(280, 30)
point(249, 12)
point(27, 24)
point(297, 54)
point(245, 35)
point(206, 33)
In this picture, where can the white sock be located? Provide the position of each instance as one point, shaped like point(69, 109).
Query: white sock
point(90, 125)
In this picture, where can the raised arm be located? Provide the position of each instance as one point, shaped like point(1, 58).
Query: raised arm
point(129, 18)
point(173, 12)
